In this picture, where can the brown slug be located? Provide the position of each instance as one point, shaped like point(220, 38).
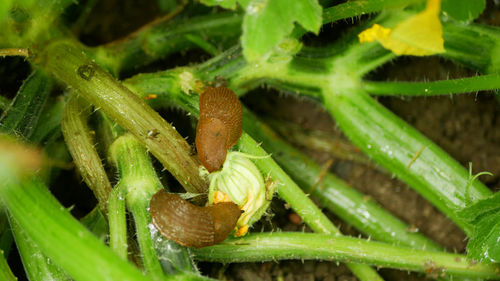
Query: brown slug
point(190, 225)
point(219, 126)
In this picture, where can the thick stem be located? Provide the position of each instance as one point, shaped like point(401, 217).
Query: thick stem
point(334, 194)
point(166, 38)
point(118, 222)
point(476, 46)
point(277, 246)
point(142, 220)
point(5, 272)
point(443, 87)
point(287, 189)
point(74, 68)
point(140, 182)
point(82, 148)
point(139, 179)
point(393, 144)
point(37, 265)
point(60, 236)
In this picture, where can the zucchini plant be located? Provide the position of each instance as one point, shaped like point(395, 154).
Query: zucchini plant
point(103, 116)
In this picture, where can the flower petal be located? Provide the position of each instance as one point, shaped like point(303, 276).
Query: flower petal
point(419, 35)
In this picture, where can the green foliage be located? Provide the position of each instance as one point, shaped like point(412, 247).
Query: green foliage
point(228, 4)
point(167, 5)
point(266, 23)
point(22, 116)
point(271, 53)
point(463, 10)
point(96, 223)
point(485, 216)
point(4, 8)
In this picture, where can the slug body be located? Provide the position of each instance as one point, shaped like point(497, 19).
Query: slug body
point(219, 126)
point(190, 225)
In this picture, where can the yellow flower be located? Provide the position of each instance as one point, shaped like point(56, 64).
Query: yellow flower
point(419, 35)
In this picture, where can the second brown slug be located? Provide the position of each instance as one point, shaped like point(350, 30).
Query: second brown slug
point(219, 126)
point(190, 225)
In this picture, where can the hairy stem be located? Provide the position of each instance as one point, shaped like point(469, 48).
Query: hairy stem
point(393, 143)
point(277, 246)
point(37, 265)
point(118, 222)
point(444, 87)
point(82, 148)
point(73, 67)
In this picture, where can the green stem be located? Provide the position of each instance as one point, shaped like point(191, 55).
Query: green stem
point(142, 220)
point(298, 200)
point(5, 272)
point(118, 222)
point(202, 44)
point(444, 87)
point(473, 45)
point(362, 7)
point(6, 237)
point(70, 245)
point(334, 194)
point(317, 140)
point(287, 189)
point(338, 197)
point(140, 182)
point(139, 178)
point(96, 223)
point(73, 67)
point(393, 144)
point(82, 148)
point(276, 246)
point(4, 103)
point(37, 265)
point(166, 38)
point(353, 9)
point(79, 253)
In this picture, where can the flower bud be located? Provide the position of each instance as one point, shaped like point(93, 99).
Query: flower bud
point(241, 182)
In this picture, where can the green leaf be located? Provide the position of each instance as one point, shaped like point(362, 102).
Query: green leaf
point(267, 23)
point(228, 4)
point(463, 10)
point(485, 216)
point(480, 209)
point(484, 246)
point(22, 116)
point(96, 223)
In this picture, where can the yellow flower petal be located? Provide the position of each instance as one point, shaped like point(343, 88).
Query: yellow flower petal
point(220, 197)
point(376, 32)
point(420, 35)
point(242, 231)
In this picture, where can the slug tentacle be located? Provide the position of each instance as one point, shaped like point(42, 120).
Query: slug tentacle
point(219, 126)
point(190, 225)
